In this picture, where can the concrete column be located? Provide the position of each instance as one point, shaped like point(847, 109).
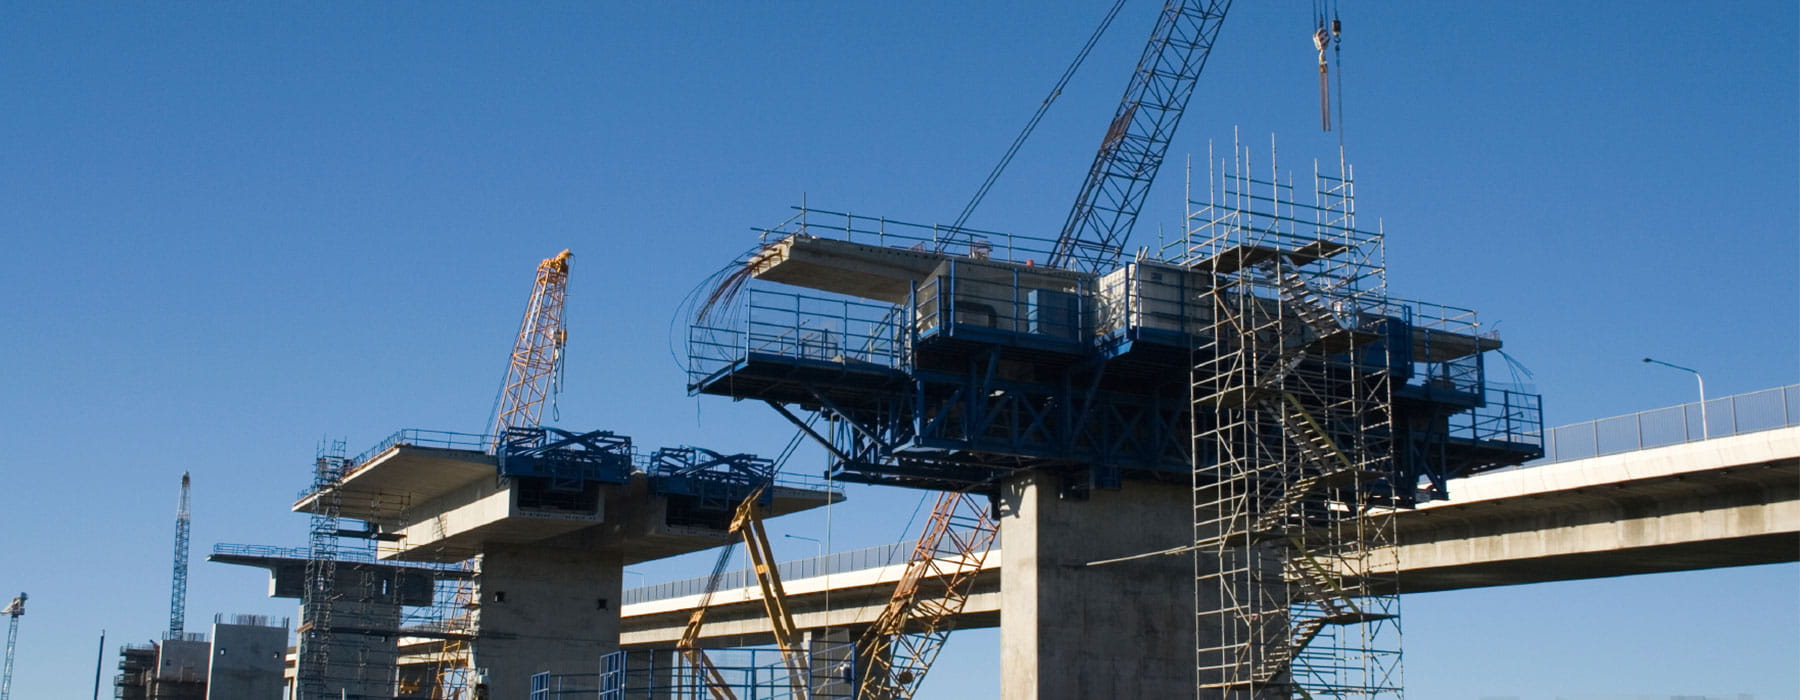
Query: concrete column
point(545, 609)
point(247, 661)
point(1070, 631)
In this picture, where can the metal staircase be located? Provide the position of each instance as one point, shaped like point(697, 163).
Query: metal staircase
point(1292, 408)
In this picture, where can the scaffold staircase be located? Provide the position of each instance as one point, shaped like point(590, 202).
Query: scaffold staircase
point(1290, 408)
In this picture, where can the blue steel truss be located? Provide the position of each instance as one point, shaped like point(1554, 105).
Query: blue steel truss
point(565, 459)
point(704, 486)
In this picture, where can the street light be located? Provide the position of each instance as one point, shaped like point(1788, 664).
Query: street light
point(1703, 428)
point(813, 540)
point(639, 574)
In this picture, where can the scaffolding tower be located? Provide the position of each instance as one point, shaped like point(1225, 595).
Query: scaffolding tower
point(337, 632)
point(457, 605)
point(1293, 453)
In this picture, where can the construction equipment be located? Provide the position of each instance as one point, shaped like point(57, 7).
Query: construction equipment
point(13, 611)
point(899, 649)
point(1131, 152)
point(746, 522)
point(313, 660)
point(179, 580)
point(534, 374)
point(940, 575)
point(533, 377)
point(1293, 511)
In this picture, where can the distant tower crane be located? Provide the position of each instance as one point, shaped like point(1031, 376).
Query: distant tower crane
point(12, 610)
point(178, 582)
point(912, 628)
point(535, 372)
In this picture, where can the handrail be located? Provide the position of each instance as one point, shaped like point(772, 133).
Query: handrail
point(1756, 411)
point(836, 562)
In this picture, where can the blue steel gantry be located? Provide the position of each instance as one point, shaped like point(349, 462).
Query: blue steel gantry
point(1259, 361)
point(952, 370)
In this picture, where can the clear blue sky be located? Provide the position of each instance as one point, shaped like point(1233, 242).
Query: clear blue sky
point(233, 229)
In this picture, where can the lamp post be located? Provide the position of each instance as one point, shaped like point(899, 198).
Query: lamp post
point(814, 540)
point(1704, 431)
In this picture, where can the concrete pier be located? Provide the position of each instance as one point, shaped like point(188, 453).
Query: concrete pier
point(551, 549)
point(544, 609)
point(1072, 631)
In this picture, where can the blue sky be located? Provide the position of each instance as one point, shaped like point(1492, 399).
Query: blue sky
point(232, 230)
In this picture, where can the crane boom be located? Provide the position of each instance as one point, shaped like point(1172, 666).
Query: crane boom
point(900, 647)
point(178, 581)
point(12, 610)
point(1132, 150)
point(537, 356)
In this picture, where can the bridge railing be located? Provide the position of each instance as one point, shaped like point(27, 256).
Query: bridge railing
point(1722, 417)
point(837, 562)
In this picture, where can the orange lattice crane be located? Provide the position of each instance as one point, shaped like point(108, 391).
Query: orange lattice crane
point(533, 376)
point(535, 372)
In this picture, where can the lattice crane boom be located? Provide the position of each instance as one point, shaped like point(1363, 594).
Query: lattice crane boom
point(13, 611)
point(534, 372)
point(178, 580)
point(1132, 150)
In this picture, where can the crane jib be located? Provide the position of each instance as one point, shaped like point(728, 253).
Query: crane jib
point(1132, 150)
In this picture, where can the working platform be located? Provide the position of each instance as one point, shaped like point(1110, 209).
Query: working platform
point(551, 518)
point(435, 503)
point(953, 361)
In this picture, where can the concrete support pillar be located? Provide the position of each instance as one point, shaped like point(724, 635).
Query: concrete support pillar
point(545, 609)
point(1071, 631)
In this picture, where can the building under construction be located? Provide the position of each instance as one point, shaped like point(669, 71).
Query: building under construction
point(242, 660)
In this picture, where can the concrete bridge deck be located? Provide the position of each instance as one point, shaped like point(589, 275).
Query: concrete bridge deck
point(1727, 501)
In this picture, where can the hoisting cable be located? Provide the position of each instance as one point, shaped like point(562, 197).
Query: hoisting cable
point(1337, 60)
point(1030, 125)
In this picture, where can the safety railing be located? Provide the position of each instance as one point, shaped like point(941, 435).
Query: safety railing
point(1756, 411)
point(1017, 301)
point(424, 438)
point(802, 326)
point(749, 673)
point(1463, 375)
point(892, 233)
point(546, 685)
point(244, 620)
point(1507, 415)
point(834, 563)
point(342, 554)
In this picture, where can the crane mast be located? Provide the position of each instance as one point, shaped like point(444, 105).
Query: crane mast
point(178, 581)
point(13, 611)
point(1132, 150)
point(537, 357)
